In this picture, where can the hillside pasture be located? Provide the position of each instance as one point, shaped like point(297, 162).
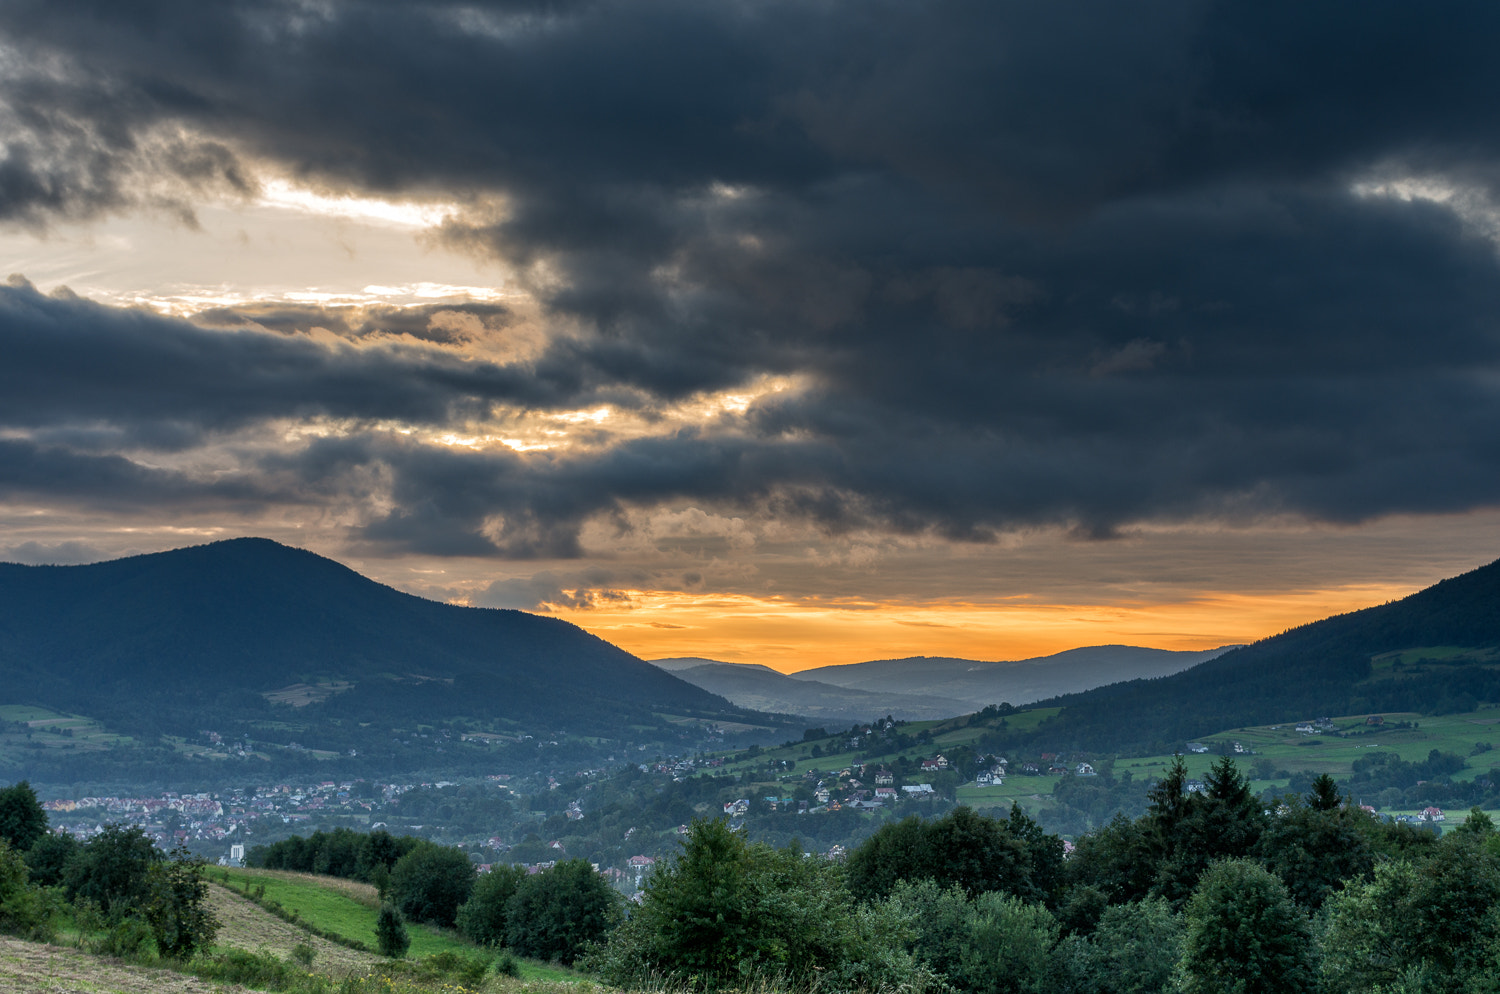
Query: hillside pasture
point(347, 908)
point(28, 727)
point(246, 925)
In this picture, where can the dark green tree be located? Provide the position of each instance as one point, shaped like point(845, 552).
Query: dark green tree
point(728, 913)
point(962, 848)
point(430, 883)
point(390, 933)
point(1245, 935)
point(1008, 947)
point(1315, 849)
point(556, 914)
point(940, 923)
point(1133, 950)
point(177, 909)
point(1324, 795)
point(49, 857)
point(1434, 916)
point(22, 820)
point(1224, 822)
point(113, 870)
point(482, 917)
point(381, 848)
point(1119, 859)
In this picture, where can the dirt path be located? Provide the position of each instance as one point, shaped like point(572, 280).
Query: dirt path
point(247, 926)
point(30, 967)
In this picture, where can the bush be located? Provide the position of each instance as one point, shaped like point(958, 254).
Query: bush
point(126, 938)
point(177, 910)
point(25, 910)
point(448, 965)
point(390, 933)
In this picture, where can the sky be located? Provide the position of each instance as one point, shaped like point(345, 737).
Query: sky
point(781, 331)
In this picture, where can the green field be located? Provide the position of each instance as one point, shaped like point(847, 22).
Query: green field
point(349, 909)
point(28, 728)
point(1287, 749)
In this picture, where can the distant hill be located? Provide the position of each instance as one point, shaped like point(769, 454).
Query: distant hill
point(235, 632)
point(1436, 651)
point(761, 688)
point(678, 664)
point(977, 683)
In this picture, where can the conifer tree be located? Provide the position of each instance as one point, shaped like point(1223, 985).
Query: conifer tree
point(390, 933)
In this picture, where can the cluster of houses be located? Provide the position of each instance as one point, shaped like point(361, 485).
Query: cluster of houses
point(170, 818)
point(680, 769)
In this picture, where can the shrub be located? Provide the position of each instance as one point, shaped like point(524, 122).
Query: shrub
point(177, 910)
point(390, 933)
point(126, 938)
point(25, 910)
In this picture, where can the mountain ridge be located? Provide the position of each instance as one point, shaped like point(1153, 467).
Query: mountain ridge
point(1323, 667)
point(180, 640)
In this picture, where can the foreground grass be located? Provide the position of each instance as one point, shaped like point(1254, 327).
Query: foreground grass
point(27, 967)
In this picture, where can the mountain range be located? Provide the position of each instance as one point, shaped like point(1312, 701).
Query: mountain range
point(923, 687)
point(251, 641)
point(752, 685)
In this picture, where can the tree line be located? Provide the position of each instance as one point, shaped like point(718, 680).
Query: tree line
point(1207, 891)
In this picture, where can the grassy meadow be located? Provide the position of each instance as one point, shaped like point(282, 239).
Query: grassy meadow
point(349, 908)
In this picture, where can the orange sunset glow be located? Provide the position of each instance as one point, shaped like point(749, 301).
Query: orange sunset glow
point(789, 636)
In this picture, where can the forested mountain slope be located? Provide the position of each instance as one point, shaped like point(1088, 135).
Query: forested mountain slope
point(1435, 651)
point(217, 627)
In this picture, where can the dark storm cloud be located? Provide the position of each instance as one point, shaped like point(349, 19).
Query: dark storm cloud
point(114, 483)
point(74, 364)
point(578, 591)
point(425, 322)
point(1061, 264)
